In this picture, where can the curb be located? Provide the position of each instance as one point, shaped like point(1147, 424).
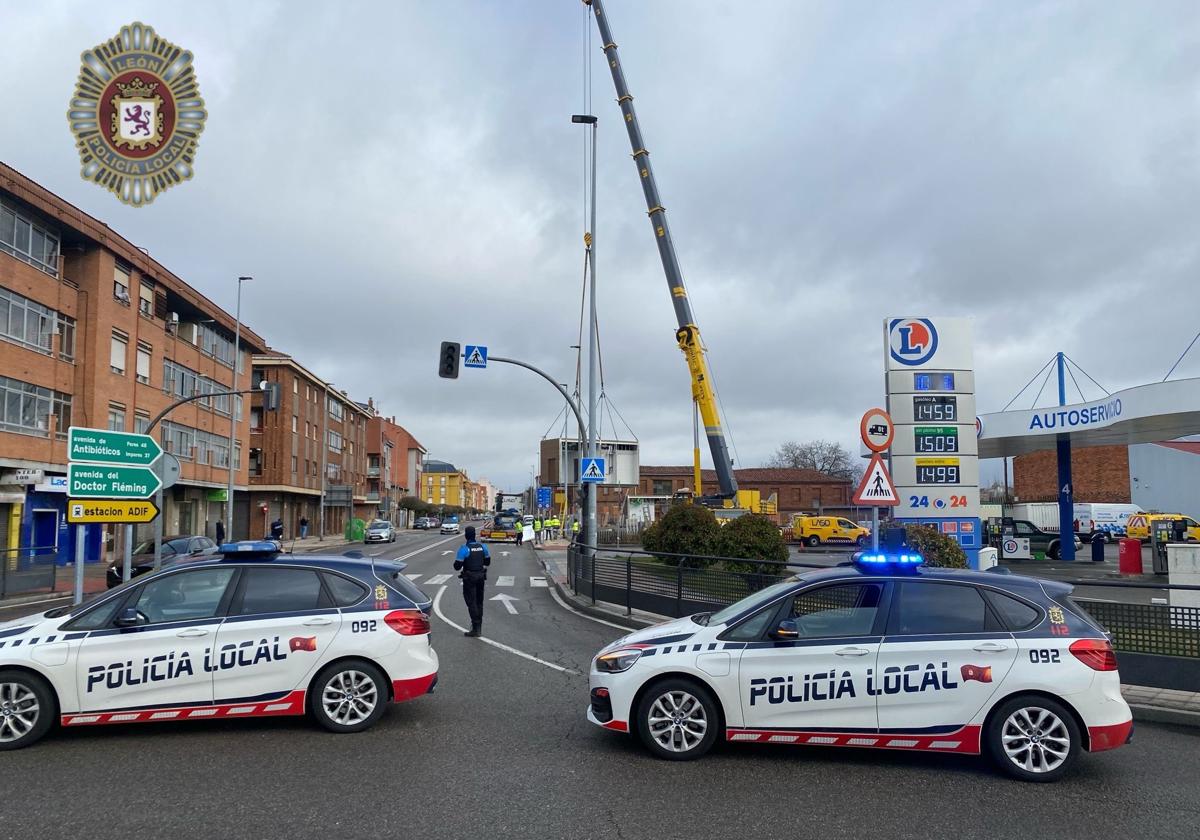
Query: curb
point(1162, 714)
point(43, 597)
point(583, 604)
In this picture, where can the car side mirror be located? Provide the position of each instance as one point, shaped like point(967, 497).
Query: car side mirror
point(787, 629)
point(128, 617)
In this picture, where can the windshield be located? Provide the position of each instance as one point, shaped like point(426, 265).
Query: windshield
point(750, 602)
point(377, 524)
point(76, 609)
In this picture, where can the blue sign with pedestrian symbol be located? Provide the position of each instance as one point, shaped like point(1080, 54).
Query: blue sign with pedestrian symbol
point(475, 356)
point(591, 470)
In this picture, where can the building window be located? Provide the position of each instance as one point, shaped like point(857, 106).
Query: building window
point(215, 344)
point(335, 409)
point(237, 402)
point(295, 423)
point(295, 463)
point(335, 441)
point(116, 417)
point(27, 240)
point(66, 337)
point(146, 299)
point(26, 408)
point(662, 487)
point(141, 422)
point(116, 353)
point(121, 283)
point(295, 386)
point(256, 462)
point(256, 417)
point(143, 363)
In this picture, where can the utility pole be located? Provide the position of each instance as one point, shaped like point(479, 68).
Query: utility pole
point(589, 520)
point(237, 351)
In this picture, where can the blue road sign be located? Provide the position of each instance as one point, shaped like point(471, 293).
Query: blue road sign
point(543, 497)
point(475, 355)
point(591, 470)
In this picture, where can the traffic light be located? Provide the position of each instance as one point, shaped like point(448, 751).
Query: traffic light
point(499, 503)
point(448, 364)
point(270, 396)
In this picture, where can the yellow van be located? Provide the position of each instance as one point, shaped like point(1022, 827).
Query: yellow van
point(814, 530)
point(1139, 525)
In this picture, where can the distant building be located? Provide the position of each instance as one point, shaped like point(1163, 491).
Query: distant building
point(309, 458)
point(794, 490)
point(445, 484)
point(1155, 476)
point(393, 465)
point(559, 470)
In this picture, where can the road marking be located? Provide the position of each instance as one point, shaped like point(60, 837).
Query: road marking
point(436, 579)
point(503, 553)
point(506, 580)
point(437, 609)
point(538, 582)
point(413, 577)
point(444, 553)
point(507, 600)
point(558, 599)
point(423, 549)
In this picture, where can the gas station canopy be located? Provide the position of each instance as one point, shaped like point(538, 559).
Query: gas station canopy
point(1144, 414)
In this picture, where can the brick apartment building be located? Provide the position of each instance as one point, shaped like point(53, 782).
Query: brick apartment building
point(93, 332)
point(795, 490)
point(394, 460)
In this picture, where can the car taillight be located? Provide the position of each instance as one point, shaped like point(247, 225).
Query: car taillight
point(407, 622)
point(1097, 654)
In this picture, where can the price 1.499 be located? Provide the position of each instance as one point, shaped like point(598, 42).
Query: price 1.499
point(937, 475)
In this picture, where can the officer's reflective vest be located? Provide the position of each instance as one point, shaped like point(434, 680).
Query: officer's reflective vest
point(575, 526)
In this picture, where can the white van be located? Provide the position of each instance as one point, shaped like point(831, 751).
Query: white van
point(1104, 521)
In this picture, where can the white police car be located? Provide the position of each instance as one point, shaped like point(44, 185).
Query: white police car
point(249, 633)
point(880, 654)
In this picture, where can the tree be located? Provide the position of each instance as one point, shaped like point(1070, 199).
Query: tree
point(937, 549)
point(753, 537)
point(824, 456)
point(684, 529)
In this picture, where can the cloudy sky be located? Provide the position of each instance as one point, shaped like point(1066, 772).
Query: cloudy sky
point(395, 174)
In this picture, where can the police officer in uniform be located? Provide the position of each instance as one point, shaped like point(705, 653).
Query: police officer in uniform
point(471, 563)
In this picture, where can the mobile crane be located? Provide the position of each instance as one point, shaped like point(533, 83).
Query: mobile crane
point(687, 335)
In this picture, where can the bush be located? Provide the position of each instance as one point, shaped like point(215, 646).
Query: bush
point(684, 529)
point(753, 537)
point(937, 549)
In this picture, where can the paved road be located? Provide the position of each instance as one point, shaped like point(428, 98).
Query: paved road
point(502, 751)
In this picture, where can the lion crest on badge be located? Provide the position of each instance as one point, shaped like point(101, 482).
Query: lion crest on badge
point(137, 115)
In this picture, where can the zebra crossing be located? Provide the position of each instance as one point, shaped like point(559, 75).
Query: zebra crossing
point(535, 581)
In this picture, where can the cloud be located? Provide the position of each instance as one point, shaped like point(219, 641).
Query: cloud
point(398, 174)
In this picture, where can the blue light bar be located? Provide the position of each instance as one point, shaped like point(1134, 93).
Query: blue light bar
point(249, 547)
point(882, 561)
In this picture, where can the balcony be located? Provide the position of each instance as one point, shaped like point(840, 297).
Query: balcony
point(373, 471)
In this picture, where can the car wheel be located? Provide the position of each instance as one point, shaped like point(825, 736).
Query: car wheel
point(1052, 550)
point(348, 696)
point(1033, 739)
point(27, 709)
point(860, 542)
point(678, 720)
point(812, 541)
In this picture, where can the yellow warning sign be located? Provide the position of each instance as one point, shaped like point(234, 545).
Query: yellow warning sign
point(122, 511)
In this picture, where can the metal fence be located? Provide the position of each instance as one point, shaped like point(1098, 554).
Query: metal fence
point(27, 569)
point(1158, 643)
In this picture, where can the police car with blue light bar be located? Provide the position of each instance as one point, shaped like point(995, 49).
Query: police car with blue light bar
point(883, 653)
point(251, 632)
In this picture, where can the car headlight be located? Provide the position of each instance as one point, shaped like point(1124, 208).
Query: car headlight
point(616, 661)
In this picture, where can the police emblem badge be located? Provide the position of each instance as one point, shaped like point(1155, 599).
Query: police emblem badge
point(136, 115)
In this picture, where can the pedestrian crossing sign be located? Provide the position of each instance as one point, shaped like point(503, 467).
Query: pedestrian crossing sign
point(475, 356)
point(876, 488)
point(591, 469)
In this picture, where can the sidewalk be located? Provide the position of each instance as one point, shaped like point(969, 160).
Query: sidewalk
point(1149, 704)
point(64, 585)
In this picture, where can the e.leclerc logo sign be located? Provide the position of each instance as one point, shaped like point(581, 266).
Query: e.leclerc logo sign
point(913, 341)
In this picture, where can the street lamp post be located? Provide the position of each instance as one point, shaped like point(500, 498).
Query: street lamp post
point(590, 532)
point(237, 351)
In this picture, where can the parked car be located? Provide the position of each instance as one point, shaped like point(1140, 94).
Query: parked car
point(178, 547)
point(423, 523)
point(380, 531)
point(1140, 525)
point(1044, 541)
point(814, 530)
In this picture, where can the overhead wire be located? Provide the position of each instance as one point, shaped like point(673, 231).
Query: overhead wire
point(1181, 355)
point(1088, 375)
point(1044, 381)
point(1082, 398)
point(1027, 384)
